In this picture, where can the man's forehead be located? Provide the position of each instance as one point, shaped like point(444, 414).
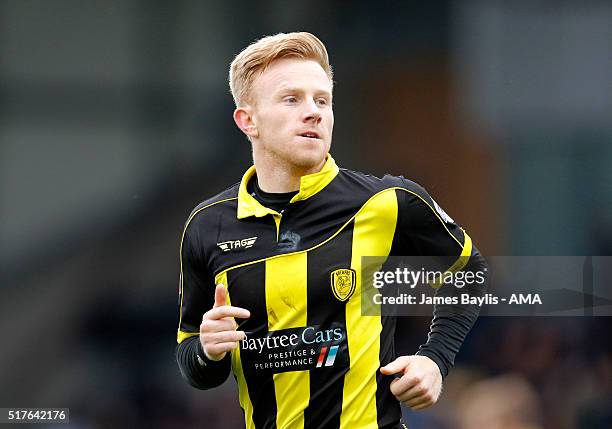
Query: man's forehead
point(293, 73)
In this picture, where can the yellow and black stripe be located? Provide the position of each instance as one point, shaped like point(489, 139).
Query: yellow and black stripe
point(311, 358)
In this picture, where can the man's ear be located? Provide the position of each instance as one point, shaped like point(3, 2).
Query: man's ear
point(243, 117)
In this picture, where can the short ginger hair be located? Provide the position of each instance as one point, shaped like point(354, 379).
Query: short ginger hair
point(256, 57)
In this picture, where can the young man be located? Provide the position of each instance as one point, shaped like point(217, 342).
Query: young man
point(284, 250)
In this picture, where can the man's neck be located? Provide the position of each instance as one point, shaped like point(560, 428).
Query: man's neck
point(278, 177)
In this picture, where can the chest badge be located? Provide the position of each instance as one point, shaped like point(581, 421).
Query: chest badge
point(343, 283)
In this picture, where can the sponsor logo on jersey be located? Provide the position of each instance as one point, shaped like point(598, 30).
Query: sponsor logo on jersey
point(343, 282)
point(295, 349)
point(245, 243)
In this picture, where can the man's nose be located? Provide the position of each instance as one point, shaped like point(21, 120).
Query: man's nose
point(312, 112)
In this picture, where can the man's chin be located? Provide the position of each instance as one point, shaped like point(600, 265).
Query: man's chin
point(309, 162)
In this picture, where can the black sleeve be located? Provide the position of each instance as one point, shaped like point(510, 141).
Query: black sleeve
point(451, 324)
point(428, 230)
point(197, 289)
point(197, 369)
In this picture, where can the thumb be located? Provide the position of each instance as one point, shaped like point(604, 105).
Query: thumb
point(220, 296)
point(398, 365)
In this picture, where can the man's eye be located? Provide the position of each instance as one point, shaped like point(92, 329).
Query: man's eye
point(291, 99)
point(322, 102)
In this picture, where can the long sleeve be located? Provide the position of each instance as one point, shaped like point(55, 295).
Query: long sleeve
point(450, 327)
point(444, 245)
point(197, 369)
point(196, 297)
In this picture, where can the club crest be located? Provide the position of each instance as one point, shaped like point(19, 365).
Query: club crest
point(343, 282)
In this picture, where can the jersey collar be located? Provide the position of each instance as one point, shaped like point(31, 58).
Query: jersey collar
point(309, 186)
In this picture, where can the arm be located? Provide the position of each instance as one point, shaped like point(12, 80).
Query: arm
point(205, 334)
point(451, 324)
point(425, 228)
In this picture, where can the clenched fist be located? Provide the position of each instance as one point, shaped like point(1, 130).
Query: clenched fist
point(420, 383)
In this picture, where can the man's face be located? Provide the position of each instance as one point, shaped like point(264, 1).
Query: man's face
point(292, 110)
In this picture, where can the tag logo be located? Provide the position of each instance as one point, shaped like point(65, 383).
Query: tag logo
point(245, 243)
point(343, 283)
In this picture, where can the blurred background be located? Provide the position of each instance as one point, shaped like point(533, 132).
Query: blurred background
point(115, 121)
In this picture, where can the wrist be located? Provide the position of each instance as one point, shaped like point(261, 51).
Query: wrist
point(204, 359)
point(433, 358)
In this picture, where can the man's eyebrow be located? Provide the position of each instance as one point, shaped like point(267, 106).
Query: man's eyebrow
point(285, 89)
point(290, 89)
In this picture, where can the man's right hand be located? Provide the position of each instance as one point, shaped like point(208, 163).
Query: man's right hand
point(218, 333)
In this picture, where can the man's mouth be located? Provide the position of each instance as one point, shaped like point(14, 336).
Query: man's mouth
point(310, 135)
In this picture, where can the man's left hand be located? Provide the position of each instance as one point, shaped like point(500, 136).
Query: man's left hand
point(420, 383)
